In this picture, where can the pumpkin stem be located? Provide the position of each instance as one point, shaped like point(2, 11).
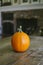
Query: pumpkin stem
point(20, 29)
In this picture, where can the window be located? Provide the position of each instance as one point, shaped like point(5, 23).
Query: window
point(6, 2)
point(25, 2)
point(34, 1)
point(15, 2)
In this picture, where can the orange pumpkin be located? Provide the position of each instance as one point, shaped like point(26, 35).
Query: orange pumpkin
point(20, 41)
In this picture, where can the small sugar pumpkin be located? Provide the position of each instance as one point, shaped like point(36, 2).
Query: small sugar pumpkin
point(20, 41)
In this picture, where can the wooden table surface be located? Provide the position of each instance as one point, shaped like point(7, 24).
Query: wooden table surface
point(33, 56)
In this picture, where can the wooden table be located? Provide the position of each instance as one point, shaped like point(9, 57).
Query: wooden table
point(33, 56)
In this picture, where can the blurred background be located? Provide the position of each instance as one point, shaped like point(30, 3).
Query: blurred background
point(30, 20)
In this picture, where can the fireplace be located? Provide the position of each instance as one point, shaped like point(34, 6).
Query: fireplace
point(10, 24)
point(29, 26)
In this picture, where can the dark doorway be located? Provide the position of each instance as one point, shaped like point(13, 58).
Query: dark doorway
point(8, 29)
point(29, 26)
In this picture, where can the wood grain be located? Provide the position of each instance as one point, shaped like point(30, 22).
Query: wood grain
point(33, 56)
